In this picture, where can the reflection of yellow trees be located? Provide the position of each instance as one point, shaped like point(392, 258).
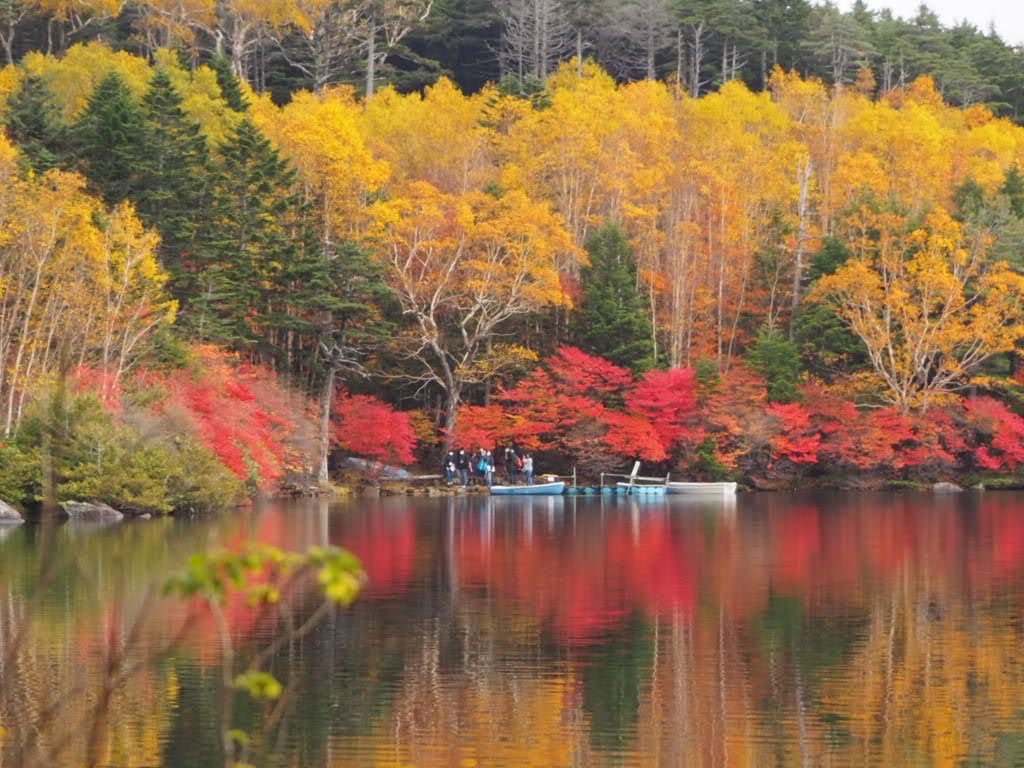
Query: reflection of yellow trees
point(933, 680)
point(493, 721)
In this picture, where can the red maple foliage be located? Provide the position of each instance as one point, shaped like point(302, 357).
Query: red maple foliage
point(996, 433)
point(589, 375)
point(669, 400)
point(482, 426)
point(628, 435)
point(798, 440)
point(242, 412)
point(371, 428)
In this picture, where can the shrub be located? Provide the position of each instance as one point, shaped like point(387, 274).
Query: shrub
point(20, 474)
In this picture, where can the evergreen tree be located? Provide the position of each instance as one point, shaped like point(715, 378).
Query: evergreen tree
point(173, 177)
point(1013, 188)
point(777, 359)
point(230, 88)
point(109, 140)
point(35, 126)
point(257, 233)
point(612, 319)
point(826, 345)
point(461, 36)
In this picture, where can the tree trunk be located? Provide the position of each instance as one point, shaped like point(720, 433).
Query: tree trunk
point(804, 182)
point(451, 408)
point(326, 405)
point(371, 60)
point(8, 43)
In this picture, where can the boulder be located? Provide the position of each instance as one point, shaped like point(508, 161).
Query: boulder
point(9, 515)
point(978, 487)
point(946, 488)
point(91, 512)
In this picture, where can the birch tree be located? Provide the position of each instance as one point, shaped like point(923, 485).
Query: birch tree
point(461, 266)
point(927, 303)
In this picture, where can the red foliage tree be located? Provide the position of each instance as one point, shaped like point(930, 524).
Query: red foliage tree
point(240, 411)
point(669, 400)
point(997, 434)
point(588, 375)
point(481, 426)
point(629, 435)
point(371, 428)
point(798, 440)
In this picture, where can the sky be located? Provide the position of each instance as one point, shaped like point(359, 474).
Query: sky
point(1008, 15)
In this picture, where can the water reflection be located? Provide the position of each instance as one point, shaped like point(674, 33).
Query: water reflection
point(865, 629)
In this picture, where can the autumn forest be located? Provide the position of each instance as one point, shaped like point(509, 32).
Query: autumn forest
point(240, 243)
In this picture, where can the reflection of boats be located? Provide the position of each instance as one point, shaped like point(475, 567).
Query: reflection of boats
point(541, 489)
point(636, 489)
point(703, 489)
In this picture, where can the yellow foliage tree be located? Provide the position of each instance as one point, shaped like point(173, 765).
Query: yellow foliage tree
point(72, 78)
point(77, 284)
point(438, 138)
point(321, 135)
point(928, 305)
point(463, 265)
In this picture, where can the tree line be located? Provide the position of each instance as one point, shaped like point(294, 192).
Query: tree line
point(701, 44)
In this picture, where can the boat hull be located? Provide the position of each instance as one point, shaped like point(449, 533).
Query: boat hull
point(640, 490)
point(703, 489)
point(542, 489)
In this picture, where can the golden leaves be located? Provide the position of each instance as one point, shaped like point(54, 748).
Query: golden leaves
point(321, 135)
point(928, 309)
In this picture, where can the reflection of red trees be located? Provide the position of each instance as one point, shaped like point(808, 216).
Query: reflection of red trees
point(581, 584)
point(386, 544)
point(797, 537)
point(584, 588)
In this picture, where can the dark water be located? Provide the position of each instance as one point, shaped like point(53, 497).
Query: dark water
point(778, 630)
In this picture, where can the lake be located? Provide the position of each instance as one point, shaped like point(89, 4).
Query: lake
point(776, 630)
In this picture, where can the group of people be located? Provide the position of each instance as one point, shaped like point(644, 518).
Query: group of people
point(479, 468)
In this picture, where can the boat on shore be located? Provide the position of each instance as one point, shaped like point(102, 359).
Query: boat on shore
point(540, 489)
point(702, 489)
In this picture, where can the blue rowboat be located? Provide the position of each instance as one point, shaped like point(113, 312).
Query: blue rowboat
point(641, 490)
point(541, 489)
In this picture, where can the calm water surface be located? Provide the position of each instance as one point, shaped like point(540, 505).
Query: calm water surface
point(832, 630)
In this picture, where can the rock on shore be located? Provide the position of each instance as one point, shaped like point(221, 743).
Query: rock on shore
point(91, 512)
point(9, 515)
point(946, 488)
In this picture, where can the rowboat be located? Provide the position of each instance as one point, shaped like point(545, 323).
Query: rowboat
point(703, 489)
point(640, 490)
point(541, 489)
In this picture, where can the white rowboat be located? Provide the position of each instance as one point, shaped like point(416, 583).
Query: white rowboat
point(703, 489)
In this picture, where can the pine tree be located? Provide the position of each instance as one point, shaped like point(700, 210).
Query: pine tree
point(34, 124)
point(230, 88)
point(257, 232)
point(109, 140)
point(173, 178)
point(612, 319)
point(777, 359)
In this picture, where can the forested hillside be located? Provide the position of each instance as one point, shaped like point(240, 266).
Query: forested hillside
point(211, 275)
